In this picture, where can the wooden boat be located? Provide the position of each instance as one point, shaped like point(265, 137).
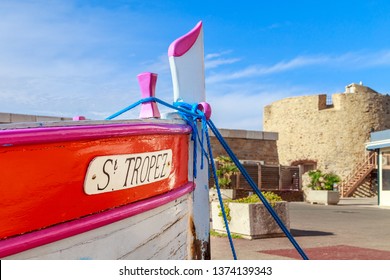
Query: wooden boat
point(109, 189)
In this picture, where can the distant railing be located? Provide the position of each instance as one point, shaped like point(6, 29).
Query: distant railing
point(329, 100)
point(270, 177)
point(361, 170)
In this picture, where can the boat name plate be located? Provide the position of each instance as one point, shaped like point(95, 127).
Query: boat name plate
point(118, 172)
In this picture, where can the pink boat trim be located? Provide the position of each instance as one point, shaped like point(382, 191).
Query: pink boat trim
point(38, 238)
point(181, 45)
point(41, 135)
point(147, 82)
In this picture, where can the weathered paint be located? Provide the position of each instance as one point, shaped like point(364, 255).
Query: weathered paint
point(199, 249)
point(201, 207)
point(122, 233)
point(42, 184)
point(186, 58)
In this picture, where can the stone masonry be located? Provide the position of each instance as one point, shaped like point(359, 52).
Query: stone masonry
point(248, 145)
point(330, 135)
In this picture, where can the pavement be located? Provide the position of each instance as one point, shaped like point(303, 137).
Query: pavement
point(355, 229)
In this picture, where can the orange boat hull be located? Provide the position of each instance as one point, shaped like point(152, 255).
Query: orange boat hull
point(43, 184)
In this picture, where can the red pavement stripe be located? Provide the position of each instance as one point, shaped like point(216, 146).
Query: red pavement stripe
point(341, 252)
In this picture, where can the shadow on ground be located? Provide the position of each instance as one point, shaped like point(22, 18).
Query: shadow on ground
point(301, 232)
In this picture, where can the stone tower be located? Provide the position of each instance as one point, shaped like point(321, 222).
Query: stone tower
point(328, 134)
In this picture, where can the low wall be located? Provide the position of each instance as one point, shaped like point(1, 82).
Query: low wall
point(248, 145)
point(14, 118)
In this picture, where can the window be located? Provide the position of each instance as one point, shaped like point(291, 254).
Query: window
point(386, 171)
point(306, 164)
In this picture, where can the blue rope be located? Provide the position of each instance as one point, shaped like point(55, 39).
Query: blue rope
point(186, 112)
point(220, 197)
point(155, 99)
point(191, 114)
point(255, 189)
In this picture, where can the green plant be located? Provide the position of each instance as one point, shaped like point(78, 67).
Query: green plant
point(225, 170)
point(218, 234)
point(322, 181)
point(271, 197)
point(227, 210)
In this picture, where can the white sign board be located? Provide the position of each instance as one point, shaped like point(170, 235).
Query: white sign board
point(118, 172)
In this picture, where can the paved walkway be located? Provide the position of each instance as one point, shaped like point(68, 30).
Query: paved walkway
point(353, 229)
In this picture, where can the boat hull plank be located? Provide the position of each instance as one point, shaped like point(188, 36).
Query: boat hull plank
point(161, 233)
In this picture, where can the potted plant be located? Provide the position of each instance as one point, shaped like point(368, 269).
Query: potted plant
point(249, 218)
point(320, 190)
point(225, 170)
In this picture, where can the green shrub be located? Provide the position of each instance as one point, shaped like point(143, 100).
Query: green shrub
point(322, 181)
point(271, 197)
point(225, 170)
point(218, 234)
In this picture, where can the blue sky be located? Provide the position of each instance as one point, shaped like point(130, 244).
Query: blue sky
point(80, 57)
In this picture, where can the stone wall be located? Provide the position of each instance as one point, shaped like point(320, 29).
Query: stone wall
point(248, 145)
point(333, 135)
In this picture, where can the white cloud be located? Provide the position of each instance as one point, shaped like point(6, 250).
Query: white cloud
point(342, 61)
point(277, 25)
point(217, 54)
point(214, 60)
point(256, 71)
point(209, 64)
point(367, 60)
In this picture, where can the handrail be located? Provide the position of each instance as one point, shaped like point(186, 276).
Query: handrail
point(369, 160)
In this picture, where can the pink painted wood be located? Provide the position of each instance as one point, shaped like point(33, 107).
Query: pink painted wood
point(38, 238)
point(41, 135)
point(79, 118)
point(181, 45)
point(205, 108)
point(147, 82)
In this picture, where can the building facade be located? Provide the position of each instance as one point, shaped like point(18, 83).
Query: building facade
point(327, 134)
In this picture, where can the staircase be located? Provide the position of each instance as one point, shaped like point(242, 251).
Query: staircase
point(352, 182)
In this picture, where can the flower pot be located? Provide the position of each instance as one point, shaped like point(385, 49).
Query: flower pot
point(251, 220)
point(322, 197)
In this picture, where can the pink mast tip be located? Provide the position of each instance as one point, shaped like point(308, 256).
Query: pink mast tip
point(181, 45)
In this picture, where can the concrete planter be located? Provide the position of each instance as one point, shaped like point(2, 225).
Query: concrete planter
point(251, 220)
point(226, 194)
point(322, 197)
